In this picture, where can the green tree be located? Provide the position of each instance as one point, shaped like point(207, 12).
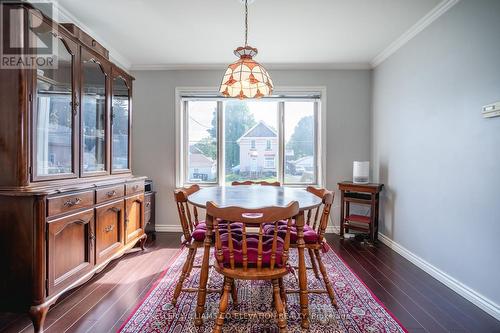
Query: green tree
point(208, 147)
point(237, 120)
point(301, 141)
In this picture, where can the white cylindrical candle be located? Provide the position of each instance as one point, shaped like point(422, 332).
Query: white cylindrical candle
point(361, 172)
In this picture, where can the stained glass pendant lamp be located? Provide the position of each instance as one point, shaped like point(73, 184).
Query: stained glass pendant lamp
point(246, 78)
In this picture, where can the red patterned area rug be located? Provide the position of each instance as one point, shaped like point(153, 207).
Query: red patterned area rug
point(359, 310)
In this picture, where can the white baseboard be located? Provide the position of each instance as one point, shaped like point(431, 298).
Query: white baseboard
point(178, 228)
point(168, 228)
point(471, 295)
point(332, 229)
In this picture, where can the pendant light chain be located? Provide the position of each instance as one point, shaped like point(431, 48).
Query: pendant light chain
point(246, 22)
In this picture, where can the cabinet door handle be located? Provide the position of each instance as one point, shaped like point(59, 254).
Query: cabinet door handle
point(91, 240)
point(115, 209)
point(71, 203)
point(109, 228)
point(111, 193)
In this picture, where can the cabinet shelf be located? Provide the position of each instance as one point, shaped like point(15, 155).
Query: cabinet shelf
point(357, 227)
point(358, 218)
point(358, 201)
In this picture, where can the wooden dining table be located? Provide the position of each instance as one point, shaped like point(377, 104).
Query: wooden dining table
point(251, 197)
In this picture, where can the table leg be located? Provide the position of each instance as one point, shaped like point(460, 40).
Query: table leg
point(202, 292)
point(304, 302)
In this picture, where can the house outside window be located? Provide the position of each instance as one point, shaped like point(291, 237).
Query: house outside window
point(272, 139)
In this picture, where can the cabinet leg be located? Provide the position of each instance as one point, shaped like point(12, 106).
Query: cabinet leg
point(37, 314)
point(142, 241)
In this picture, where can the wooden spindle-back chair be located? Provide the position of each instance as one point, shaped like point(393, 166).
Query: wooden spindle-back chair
point(317, 218)
point(316, 222)
point(193, 235)
point(246, 252)
point(250, 182)
point(188, 214)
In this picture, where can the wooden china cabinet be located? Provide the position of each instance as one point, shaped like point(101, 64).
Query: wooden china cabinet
point(69, 203)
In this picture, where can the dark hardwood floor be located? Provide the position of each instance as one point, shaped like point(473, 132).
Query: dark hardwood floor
point(420, 302)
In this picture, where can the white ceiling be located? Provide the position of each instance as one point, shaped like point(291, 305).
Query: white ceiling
point(197, 33)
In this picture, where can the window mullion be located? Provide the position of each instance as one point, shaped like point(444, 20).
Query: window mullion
point(281, 142)
point(221, 170)
point(185, 141)
point(317, 155)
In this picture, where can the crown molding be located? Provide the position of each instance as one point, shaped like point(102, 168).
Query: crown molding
point(65, 15)
point(418, 27)
point(269, 66)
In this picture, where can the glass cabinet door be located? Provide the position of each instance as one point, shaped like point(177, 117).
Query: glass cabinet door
point(120, 125)
point(93, 117)
point(53, 115)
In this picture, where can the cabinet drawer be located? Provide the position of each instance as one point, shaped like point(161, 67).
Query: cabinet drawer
point(69, 202)
point(109, 193)
point(136, 187)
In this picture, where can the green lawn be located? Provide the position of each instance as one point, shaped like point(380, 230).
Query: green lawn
point(234, 177)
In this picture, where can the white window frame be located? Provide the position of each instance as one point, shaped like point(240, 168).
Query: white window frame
point(181, 135)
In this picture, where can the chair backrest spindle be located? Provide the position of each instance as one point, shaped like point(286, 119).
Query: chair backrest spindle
point(316, 215)
point(244, 247)
point(259, 248)
point(275, 245)
point(231, 246)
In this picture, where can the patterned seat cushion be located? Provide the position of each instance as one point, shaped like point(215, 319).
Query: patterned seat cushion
point(252, 249)
point(199, 231)
point(310, 235)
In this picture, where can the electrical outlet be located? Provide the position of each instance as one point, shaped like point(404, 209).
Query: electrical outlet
point(491, 110)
